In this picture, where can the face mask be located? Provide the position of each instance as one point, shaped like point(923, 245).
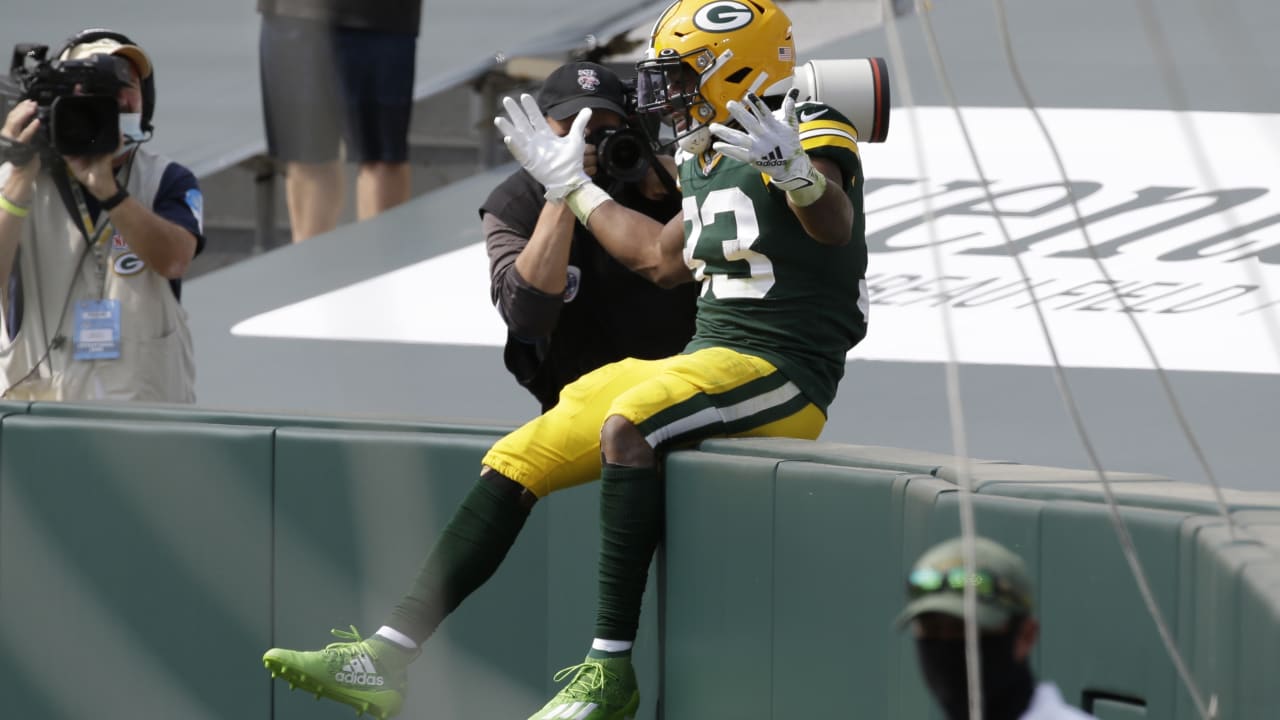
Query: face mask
point(1007, 685)
point(131, 129)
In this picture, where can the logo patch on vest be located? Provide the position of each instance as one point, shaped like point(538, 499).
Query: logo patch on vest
point(572, 283)
point(195, 201)
point(128, 264)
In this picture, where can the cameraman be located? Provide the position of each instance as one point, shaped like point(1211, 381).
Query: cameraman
point(91, 264)
point(570, 307)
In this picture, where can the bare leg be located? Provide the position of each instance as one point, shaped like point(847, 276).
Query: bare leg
point(381, 186)
point(314, 192)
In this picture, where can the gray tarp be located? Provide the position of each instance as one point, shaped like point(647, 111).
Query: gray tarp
point(209, 113)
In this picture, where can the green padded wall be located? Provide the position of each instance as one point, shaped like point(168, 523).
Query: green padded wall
point(873, 457)
point(833, 540)
point(355, 514)
point(12, 407)
point(137, 533)
point(188, 413)
point(1093, 603)
point(1098, 642)
point(1258, 692)
point(135, 569)
point(718, 635)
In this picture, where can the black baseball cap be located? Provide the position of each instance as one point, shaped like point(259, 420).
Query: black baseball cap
point(577, 85)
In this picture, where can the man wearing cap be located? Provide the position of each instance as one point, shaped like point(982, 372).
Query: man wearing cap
point(568, 305)
point(1007, 631)
point(92, 255)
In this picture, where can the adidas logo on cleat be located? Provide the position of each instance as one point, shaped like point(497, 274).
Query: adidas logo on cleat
point(571, 711)
point(360, 671)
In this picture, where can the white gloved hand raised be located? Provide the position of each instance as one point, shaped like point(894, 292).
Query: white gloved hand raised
point(554, 161)
point(768, 140)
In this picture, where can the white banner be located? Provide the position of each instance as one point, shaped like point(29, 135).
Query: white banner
point(1195, 253)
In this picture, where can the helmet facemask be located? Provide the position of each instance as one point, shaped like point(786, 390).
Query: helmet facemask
point(669, 88)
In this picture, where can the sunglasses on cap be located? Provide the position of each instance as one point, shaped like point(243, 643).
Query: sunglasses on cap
point(989, 586)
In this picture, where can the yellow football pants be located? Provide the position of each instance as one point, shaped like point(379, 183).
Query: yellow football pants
point(714, 392)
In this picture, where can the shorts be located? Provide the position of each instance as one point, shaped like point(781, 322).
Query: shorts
point(714, 392)
point(322, 84)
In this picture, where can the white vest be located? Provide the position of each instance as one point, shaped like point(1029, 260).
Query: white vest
point(156, 360)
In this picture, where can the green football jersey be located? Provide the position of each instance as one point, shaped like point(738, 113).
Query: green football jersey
point(768, 288)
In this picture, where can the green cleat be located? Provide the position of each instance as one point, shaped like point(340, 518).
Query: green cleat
point(601, 689)
point(369, 675)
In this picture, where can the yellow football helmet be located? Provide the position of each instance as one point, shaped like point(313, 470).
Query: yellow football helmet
point(704, 53)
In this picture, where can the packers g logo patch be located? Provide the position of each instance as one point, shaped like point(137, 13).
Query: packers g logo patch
point(723, 16)
point(128, 264)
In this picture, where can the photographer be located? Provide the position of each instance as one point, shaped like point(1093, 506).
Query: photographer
point(93, 246)
point(570, 307)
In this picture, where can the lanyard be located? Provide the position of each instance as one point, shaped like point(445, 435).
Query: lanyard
point(92, 233)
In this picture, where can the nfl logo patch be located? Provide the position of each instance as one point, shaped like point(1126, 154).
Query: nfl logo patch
point(785, 54)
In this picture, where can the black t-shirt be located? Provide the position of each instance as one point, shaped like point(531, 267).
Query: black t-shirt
point(387, 15)
point(609, 312)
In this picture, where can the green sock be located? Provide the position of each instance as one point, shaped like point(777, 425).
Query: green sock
point(465, 556)
point(631, 515)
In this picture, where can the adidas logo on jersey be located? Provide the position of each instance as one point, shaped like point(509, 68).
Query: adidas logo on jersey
point(773, 159)
point(360, 671)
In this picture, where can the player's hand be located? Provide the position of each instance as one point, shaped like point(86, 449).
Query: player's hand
point(770, 141)
point(554, 161)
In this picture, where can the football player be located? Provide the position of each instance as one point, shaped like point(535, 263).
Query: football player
point(772, 227)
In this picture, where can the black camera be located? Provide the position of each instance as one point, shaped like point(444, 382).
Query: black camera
point(623, 153)
point(75, 101)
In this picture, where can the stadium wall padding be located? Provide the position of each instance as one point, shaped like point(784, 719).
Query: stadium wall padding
point(149, 555)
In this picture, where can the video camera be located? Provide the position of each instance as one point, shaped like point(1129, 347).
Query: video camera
point(75, 100)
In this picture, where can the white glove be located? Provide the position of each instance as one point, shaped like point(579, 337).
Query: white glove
point(554, 161)
point(768, 140)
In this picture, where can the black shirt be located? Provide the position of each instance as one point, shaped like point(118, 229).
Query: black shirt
point(387, 15)
point(607, 312)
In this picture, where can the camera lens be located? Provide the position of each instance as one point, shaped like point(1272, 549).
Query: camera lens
point(75, 128)
point(85, 125)
point(623, 156)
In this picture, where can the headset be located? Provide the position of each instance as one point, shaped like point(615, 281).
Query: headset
point(148, 84)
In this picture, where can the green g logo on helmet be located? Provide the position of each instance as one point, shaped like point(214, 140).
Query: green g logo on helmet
point(724, 16)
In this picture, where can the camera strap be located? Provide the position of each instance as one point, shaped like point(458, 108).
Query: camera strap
point(78, 208)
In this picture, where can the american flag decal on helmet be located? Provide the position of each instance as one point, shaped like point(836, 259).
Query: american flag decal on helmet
point(784, 54)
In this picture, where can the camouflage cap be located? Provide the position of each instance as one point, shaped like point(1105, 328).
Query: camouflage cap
point(936, 583)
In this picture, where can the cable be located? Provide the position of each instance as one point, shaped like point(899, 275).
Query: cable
point(48, 348)
point(1178, 98)
point(1064, 388)
point(1178, 413)
point(955, 406)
